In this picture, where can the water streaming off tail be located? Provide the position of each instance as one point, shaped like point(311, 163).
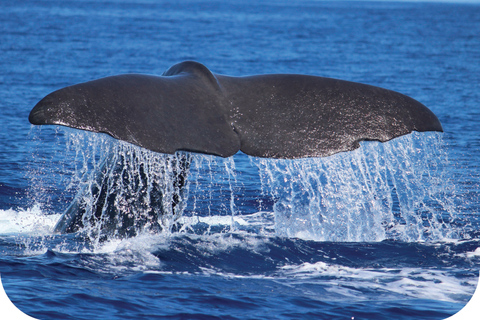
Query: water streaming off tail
point(122, 190)
point(394, 190)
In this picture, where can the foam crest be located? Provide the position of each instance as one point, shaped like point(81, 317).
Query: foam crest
point(412, 282)
point(32, 221)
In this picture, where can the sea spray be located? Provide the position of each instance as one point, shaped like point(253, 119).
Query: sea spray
point(125, 190)
point(213, 189)
point(395, 190)
point(49, 169)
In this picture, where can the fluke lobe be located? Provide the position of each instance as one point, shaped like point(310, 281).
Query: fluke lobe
point(190, 108)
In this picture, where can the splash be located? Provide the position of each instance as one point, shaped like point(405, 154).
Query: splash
point(123, 190)
point(396, 190)
point(30, 222)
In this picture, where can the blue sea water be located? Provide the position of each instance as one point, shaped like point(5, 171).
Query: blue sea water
point(388, 231)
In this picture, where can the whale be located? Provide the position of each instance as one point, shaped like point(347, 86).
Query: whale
point(191, 109)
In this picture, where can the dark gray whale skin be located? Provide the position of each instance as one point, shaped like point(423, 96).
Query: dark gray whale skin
point(189, 108)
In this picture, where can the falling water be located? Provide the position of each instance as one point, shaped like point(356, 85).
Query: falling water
point(395, 190)
point(120, 190)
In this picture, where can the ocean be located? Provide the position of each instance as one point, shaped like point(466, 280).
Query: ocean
point(387, 231)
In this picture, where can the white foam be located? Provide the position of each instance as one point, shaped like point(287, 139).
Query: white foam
point(410, 282)
point(473, 254)
point(31, 221)
point(263, 220)
point(120, 256)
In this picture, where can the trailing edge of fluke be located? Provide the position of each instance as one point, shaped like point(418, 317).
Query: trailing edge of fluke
point(276, 115)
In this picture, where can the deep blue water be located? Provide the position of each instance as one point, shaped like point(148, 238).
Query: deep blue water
point(394, 236)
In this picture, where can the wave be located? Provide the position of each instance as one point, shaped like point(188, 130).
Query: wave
point(388, 270)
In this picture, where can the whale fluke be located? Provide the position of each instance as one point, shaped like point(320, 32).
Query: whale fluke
point(189, 108)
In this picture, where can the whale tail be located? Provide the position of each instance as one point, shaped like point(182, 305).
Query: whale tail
point(275, 116)
point(189, 108)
